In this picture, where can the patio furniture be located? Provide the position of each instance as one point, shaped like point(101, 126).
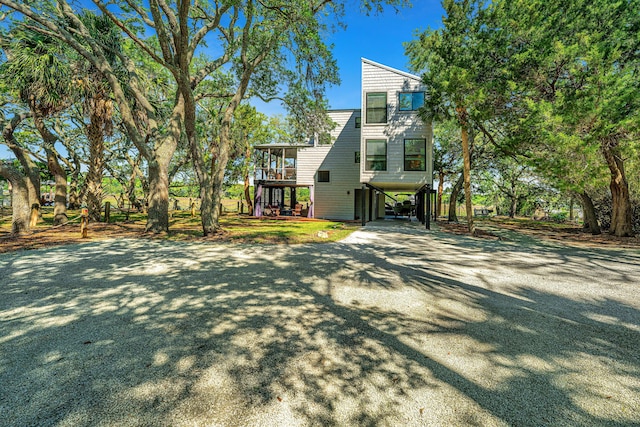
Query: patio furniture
point(272, 210)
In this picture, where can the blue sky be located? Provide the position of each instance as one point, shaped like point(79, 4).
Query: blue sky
point(379, 38)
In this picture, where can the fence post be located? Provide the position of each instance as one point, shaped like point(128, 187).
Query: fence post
point(107, 211)
point(84, 222)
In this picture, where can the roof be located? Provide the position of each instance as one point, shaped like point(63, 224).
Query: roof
point(340, 110)
point(298, 145)
point(393, 70)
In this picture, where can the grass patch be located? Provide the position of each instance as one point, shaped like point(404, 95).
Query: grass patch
point(182, 227)
point(287, 231)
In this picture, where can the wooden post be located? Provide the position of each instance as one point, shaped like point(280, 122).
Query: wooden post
point(427, 219)
point(363, 202)
point(84, 222)
point(375, 205)
point(107, 211)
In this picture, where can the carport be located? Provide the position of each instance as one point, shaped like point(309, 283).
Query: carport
point(422, 196)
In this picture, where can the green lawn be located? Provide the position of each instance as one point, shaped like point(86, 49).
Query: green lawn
point(182, 226)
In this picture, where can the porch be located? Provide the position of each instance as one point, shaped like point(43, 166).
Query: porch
point(277, 163)
point(275, 198)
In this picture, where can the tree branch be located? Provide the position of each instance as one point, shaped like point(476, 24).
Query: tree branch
point(168, 48)
point(130, 34)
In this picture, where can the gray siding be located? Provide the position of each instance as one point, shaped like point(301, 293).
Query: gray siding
point(400, 125)
point(336, 199)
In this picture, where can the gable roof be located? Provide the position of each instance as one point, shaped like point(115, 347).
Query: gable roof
point(393, 70)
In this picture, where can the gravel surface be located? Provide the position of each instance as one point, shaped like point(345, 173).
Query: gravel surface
point(394, 326)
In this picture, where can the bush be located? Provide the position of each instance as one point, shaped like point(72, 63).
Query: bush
point(559, 217)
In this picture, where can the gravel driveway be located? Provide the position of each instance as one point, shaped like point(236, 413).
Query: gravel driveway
point(394, 326)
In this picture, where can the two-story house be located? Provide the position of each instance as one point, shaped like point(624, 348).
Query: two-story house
point(373, 153)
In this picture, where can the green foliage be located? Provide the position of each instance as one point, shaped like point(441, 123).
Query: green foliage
point(235, 192)
point(38, 68)
point(559, 216)
point(553, 85)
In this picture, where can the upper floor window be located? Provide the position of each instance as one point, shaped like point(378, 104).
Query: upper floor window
point(415, 155)
point(410, 101)
point(376, 155)
point(324, 176)
point(358, 122)
point(377, 107)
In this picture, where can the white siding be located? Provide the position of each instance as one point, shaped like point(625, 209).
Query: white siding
point(334, 199)
point(400, 125)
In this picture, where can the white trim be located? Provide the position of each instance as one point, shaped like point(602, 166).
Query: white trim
point(393, 70)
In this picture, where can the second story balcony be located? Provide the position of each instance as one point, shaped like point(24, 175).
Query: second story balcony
point(276, 163)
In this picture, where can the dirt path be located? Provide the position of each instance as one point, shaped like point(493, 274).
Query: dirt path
point(393, 326)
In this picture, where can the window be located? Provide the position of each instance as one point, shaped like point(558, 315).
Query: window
point(415, 155)
point(358, 122)
point(410, 101)
point(357, 157)
point(376, 155)
point(377, 107)
point(323, 176)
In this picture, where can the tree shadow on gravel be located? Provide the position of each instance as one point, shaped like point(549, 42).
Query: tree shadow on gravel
point(397, 328)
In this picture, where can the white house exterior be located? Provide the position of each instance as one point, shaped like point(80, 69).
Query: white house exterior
point(374, 152)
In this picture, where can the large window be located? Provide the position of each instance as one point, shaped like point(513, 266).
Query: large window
point(377, 107)
point(410, 101)
point(376, 156)
point(415, 155)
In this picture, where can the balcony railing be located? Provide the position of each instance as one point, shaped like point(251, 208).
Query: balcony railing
point(276, 174)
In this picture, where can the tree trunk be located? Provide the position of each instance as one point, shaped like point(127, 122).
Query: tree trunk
point(21, 208)
point(219, 171)
point(621, 215)
point(94, 194)
point(513, 206)
point(571, 209)
point(31, 169)
point(466, 160)
point(59, 174)
point(441, 176)
point(590, 218)
point(453, 201)
point(158, 165)
point(74, 187)
point(60, 197)
point(246, 169)
point(158, 200)
point(247, 194)
point(222, 155)
point(204, 181)
point(131, 189)
point(207, 207)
